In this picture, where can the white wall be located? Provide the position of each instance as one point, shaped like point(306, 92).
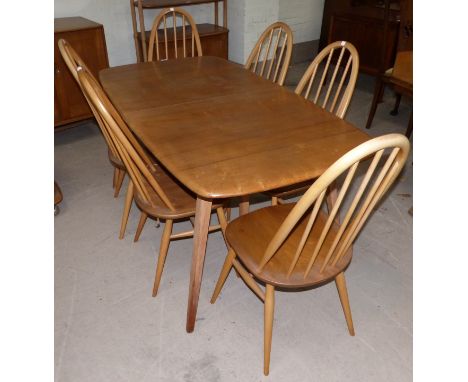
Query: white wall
point(236, 25)
point(303, 16)
point(116, 18)
point(259, 14)
point(114, 15)
point(246, 21)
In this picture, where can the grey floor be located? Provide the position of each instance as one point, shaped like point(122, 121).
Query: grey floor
point(109, 328)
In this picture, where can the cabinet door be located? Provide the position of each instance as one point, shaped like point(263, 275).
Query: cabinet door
point(70, 104)
point(367, 35)
point(216, 45)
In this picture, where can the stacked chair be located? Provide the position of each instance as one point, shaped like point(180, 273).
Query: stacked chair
point(73, 60)
point(154, 190)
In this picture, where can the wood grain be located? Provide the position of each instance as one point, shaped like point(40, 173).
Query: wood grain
point(223, 131)
point(299, 245)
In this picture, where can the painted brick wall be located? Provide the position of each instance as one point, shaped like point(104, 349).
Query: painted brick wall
point(247, 19)
point(115, 16)
point(236, 25)
point(303, 16)
point(259, 14)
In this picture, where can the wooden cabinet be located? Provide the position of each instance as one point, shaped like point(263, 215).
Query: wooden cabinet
point(361, 22)
point(213, 37)
point(87, 38)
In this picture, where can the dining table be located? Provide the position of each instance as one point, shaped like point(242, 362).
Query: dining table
point(224, 132)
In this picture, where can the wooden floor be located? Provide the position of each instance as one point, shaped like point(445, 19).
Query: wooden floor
point(109, 328)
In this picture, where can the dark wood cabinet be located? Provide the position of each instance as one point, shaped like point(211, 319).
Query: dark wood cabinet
point(87, 38)
point(361, 22)
point(213, 37)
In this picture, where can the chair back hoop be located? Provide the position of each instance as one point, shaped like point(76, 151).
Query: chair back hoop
point(75, 62)
point(339, 102)
point(273, 50)
point(134, 164)
point(366, 197)
point(187, 30)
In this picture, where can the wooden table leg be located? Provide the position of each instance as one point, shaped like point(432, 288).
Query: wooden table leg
point(244, 205)
point(200, 236)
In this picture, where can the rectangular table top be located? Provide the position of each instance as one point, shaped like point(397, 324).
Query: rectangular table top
point(222, 130)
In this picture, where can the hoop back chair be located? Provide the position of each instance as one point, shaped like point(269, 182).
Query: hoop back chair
point(274, 55)
point(336, 97)
point(156, 193)
point(331, 93)
point(173, 38)
point(299, 245)
point(73, 60)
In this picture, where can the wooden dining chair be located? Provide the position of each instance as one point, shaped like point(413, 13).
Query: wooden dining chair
point(400, 79)
point(272, 52)
point(330, 79)
point(300, 245)
point(73, 61)
point(155, 191)
point(400, 76)
point(172, 41)
point(329, 82)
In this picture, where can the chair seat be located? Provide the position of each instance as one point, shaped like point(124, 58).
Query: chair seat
point(183, 200)
point(249, 236)
point(401, 75)
point(403, 68)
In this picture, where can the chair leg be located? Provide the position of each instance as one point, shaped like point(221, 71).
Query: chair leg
point(378, 92)
point(118, 182)
point(343, 293)
point(397, 104)
point(409, 129)
point(222, 222)
point(227, 213)
point(222, 219)
point(244, 205)
point(141, 224)
point(268, 326)
point(126, 211)
point(274, 201)
point(223, 275)
point(163, 248)
point(114, 179)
